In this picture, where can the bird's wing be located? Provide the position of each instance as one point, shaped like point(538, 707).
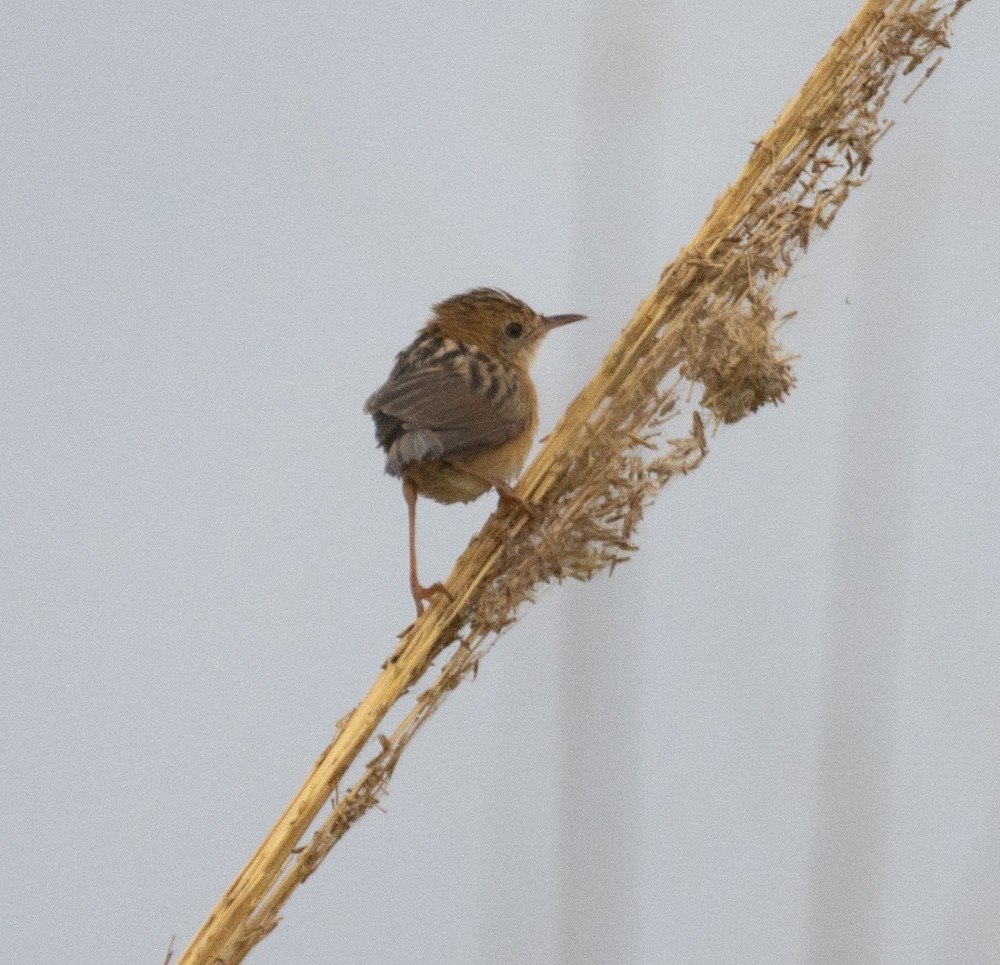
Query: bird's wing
point(455, 406)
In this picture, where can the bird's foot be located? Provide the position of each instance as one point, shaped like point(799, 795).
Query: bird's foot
point(428, 594)
point(507, 494)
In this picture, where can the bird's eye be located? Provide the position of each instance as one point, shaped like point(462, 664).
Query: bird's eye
point(514, 330)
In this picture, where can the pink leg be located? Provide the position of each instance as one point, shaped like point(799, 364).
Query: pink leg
point(420, 593)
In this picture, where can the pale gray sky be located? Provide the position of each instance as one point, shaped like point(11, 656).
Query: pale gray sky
point(220, 225)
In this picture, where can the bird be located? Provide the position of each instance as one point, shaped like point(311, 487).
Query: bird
point(458, 413)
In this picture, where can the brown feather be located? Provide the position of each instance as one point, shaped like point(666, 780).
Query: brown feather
point(447, 400)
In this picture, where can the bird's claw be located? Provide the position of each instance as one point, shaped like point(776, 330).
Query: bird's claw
point(428, 594)
point(508, 495)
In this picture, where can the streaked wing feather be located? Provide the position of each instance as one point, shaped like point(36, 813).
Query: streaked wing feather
point(432, 412)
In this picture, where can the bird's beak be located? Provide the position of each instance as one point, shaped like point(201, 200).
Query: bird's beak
point(550, 322)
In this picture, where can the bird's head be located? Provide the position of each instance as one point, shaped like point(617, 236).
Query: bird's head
point(501, 325)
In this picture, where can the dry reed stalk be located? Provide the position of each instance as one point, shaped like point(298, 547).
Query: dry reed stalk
point(709, 321)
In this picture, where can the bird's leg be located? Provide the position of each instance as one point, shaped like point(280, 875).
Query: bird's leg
point(420, 593)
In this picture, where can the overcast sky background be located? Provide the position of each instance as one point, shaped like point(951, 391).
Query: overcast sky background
point(772, 737)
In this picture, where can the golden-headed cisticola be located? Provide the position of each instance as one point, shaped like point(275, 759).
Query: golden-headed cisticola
point(458, 414)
